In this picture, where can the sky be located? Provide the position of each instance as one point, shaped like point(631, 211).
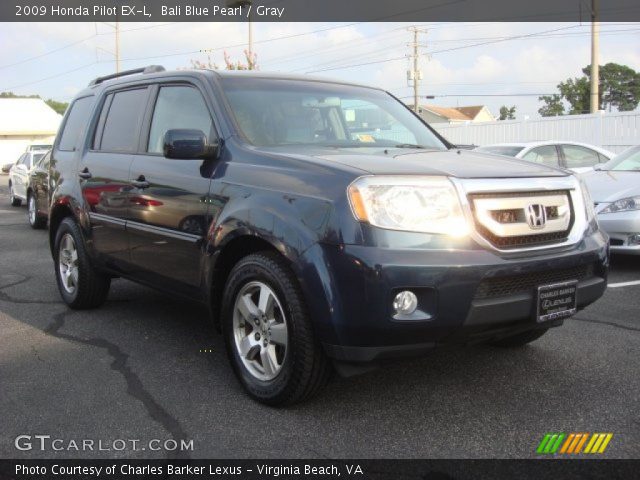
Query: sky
point(489, 63)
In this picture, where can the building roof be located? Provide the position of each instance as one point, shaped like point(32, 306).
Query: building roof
point(455, 113)
point(27, 116)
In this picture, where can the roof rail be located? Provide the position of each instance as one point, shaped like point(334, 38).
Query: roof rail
point(143, 70)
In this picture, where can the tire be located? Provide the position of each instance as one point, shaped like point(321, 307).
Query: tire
point(294, 367)
point(13, 200)
point(36, 220)
point(520, 339)
point(85, 286)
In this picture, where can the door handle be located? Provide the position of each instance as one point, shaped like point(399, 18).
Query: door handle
point(140, 182)
point(85, 174)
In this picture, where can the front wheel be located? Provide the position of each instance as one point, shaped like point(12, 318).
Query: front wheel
point(268, 333)
point(35, 219)
point(13, 200)
point(519, 339)
point(80, 284)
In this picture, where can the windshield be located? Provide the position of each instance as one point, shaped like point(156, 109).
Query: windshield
point(629, 160)
point(293, 112)
point(509, 151)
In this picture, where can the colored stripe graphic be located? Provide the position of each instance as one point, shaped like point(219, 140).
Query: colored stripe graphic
point(583, 439)
point(550, 443)
point(598, 443)
point(573, 443)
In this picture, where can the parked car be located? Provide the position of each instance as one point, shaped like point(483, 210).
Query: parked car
point(615, 189)
point(38, 147)
point(19, 176)
point(38, 192)
point(577, 157)
point(325, 242)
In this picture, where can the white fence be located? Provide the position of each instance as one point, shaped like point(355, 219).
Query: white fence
point(613, 131)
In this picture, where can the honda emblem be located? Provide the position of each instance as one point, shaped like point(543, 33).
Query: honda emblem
point(536, 216)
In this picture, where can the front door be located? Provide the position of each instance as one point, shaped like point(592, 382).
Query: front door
point(168, 204)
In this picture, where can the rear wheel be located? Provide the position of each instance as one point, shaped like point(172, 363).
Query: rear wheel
point(13, 200)
point(520, 339)
point(268, 333)
point(80, 284)
point(35, 219)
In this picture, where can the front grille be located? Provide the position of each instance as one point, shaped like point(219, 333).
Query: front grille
point(535, 240)
point(507, 217)
point(526, 282)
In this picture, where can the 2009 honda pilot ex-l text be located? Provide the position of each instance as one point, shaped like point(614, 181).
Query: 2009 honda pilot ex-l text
point(324, 224)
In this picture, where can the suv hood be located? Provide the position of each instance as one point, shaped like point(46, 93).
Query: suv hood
point(453, 163)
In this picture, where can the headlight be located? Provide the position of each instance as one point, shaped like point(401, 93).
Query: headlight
point(414, 204)
point(623, 205)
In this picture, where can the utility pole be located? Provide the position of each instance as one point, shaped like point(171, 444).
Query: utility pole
point(595, 68)
point(415, 74)
point(117, 45)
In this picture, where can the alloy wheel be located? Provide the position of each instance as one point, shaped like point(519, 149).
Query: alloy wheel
point(68, 263)
point(32, 210)
point(260, 330)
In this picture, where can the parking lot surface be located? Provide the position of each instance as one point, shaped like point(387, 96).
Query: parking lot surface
point(145, 366)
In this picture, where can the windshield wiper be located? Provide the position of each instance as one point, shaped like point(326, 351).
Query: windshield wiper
point(409, 145)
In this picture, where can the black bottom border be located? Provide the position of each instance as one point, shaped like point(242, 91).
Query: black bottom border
point(84, 469)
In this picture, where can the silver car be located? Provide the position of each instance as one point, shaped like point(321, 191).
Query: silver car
point(615, 189)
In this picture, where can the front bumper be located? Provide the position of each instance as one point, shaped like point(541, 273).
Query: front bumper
point(620, 227)
point(464, 295)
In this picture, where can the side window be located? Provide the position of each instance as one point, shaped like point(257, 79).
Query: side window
point(120, 132)
point(546, 155)
point(21, 160)
point(76, 121)
point(577, 156)
point(178, 107)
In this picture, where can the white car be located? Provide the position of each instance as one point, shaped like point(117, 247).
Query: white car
point(575, 156)
point(19, 176)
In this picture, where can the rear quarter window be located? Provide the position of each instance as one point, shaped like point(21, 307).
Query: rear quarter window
point(76, 121)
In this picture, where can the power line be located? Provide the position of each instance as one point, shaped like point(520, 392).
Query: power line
point(50, 77)
point(47, 53)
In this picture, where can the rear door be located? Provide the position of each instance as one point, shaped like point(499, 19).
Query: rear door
point(104, 171)
point(168, 207)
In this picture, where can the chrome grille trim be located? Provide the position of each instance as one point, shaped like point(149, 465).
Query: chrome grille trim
point(484, 207)
point(540, 186)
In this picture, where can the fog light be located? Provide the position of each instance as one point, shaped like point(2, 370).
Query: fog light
point(633, 240)
point(405, 303)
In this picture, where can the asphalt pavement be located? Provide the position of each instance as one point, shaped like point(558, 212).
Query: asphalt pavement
point(148, 367)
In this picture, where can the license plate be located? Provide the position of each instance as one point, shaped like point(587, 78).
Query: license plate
point(557, 301)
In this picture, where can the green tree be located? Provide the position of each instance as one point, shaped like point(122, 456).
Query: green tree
point(507, 113)
point(618, 86)
point(553, 106)
point(59, 107)
point(251, 63)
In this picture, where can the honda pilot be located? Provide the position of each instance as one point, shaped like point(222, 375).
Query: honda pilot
point(324, 225)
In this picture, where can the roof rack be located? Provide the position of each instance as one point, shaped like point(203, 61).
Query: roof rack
point(143, 70)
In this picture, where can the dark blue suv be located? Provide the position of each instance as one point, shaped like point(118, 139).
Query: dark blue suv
point(324, 224)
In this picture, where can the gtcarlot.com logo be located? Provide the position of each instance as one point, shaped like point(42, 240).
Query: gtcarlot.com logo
point(574, 443)
point(48, 443)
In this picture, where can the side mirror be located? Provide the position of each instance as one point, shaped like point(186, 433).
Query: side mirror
point(187, 144)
